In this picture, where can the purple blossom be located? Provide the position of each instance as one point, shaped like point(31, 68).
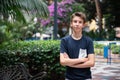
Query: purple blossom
point(58, 21)
point(64, 2)
point(62, 9)
point(45, 22)
point(51, 9)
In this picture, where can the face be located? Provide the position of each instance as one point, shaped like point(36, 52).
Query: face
point(77, 24)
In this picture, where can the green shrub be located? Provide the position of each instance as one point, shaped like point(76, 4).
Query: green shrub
point(98, 48)
point(115, 49)
point(34, 54)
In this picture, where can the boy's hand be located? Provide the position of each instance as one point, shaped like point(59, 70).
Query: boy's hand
point(84, 59)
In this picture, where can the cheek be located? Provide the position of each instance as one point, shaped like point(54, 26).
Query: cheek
point(82, 25)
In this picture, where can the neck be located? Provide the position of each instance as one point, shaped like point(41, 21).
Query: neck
point(76, 36)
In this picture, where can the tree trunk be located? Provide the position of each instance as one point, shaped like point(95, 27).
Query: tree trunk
point(99, 14)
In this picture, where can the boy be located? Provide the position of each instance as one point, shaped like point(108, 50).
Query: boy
point(76, 50)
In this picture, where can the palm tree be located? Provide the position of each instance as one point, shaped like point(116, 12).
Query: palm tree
point(12, 16)
point(14, 9)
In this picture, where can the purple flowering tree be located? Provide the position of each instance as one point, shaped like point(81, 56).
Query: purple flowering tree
point(63, 8)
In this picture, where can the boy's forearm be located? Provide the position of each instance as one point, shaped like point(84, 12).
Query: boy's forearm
point(70, 62)
point(89, 63)
point(66, 61)
point(83, 65)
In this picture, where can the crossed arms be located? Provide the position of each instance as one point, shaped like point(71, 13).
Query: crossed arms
point(77, 62)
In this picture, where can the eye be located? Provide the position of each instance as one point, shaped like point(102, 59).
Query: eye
point(75, 21)
point(80, 21)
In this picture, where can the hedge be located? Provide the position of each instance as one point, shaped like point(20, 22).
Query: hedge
point(34, 54)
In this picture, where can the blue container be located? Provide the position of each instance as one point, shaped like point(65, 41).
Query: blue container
point(106, 48)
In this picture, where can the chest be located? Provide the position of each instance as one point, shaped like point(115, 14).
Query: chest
point(74, 47)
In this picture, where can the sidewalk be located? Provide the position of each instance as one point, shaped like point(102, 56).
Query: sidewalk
point(115, 58)
point(106, 71)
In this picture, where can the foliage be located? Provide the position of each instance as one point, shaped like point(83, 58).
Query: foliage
point(113, 10)
point(99, 51)
point(64, 9)
point(33, 54)
point(97, 35)
point(109, 20)
point(13, 20)
point(17, 31)
point(110, 12)
point(115, 49)
point(5, 35)
point(99, 48)
point(13, 9)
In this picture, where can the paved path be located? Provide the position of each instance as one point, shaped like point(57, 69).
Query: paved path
point(106, 71)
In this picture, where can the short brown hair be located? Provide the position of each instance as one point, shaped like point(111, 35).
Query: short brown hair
point(79, 14)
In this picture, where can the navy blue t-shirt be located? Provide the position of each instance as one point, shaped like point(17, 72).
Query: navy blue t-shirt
point(72, 48)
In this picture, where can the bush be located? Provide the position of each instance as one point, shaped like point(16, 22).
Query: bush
point(34, 54)
point(115, 49)
point(98, 48)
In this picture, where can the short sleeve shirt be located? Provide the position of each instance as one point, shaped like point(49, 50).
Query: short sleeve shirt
point(74, 49)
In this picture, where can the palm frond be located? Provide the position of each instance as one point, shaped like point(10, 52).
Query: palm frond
point(14, 8)
point(34, 6)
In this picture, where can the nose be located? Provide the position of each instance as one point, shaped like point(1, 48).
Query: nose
point(77, 23)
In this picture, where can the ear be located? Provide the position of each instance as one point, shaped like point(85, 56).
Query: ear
point(84, 24)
